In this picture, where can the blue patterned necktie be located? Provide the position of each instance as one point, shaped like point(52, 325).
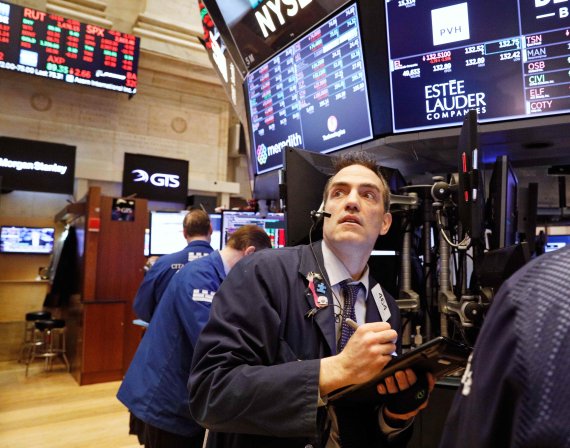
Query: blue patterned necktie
point(350, 293)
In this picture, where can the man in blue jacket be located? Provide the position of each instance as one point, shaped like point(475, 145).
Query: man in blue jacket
point(279, 340)
point(154, 389)
point(197, 231)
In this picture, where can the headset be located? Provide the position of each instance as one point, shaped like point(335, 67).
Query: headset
point(318, 215)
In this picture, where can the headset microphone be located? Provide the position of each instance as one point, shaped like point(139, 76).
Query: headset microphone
point(320, 214)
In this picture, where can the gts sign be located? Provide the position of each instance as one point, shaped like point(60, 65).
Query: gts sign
point(276, 9)
point(157, 179)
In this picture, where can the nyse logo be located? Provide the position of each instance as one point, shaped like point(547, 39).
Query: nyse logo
point(275, 9)
point(157, 179)
point(562, 12)
point(450, 24)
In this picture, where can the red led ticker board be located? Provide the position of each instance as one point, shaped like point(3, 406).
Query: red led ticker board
point(51, 46)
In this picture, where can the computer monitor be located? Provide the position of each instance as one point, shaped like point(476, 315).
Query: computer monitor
point(26, 240)
point(166, 231)
point(313, 94)
point(305, 176)
point(272, 223)
point(502, 204)
point(556, 242)
point(527, 205)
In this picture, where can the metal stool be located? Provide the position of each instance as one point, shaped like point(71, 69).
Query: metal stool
point(29, 330)
point(48, 342)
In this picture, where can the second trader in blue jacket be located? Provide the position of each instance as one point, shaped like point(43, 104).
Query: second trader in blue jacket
point(154, 389)
point(197, 231)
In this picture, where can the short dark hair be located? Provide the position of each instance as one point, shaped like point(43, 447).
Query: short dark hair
point(196, 223)
point(366, 160)
point(249, 235)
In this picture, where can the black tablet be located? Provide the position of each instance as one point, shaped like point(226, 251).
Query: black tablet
point(440, 356)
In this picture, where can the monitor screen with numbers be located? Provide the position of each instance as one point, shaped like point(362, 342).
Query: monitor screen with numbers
point(50, 46)
point(506, 60)
point(311, 95)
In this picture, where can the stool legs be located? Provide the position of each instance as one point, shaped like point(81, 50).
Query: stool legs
point(26, 347)
point(31, 318)
point(48, 344)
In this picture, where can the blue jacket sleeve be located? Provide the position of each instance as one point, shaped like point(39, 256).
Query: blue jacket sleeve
point(146, 299)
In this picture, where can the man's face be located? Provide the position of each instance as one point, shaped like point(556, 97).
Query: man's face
point(355, 203)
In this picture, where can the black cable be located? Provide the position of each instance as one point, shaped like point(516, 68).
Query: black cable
point(325, 279)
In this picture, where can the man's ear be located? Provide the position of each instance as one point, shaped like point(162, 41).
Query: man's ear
point(249, 250)
point(386, 223)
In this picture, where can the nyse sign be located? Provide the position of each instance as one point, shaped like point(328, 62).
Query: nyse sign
point(276, 10)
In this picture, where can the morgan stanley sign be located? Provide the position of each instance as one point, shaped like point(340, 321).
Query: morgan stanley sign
point(155, 178)
point(36, 166)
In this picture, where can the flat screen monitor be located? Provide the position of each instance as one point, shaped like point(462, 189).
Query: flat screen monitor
point(166, 232)
point(505, 59)
point(272, 223)
point(470, 196)
point(306, 174)
point(312, 95)
point(26, 240)
point(556, 242)
point(216, 220)
point(50, 46)
point(503, 204)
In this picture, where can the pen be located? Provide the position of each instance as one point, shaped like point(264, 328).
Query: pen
point(354, 326)
point(351, 323)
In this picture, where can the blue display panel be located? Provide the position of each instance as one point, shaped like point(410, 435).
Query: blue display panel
point(51, 46)
point(507, 59)
point(313, 95)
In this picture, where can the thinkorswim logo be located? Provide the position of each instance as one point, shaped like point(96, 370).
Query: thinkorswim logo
point(264, 152)
point(450, 24)
point(157, 179)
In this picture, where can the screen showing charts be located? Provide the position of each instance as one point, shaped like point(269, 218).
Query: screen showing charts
point(51, 46)
point(507, 59)
point(312, 95)
point(272, 223)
